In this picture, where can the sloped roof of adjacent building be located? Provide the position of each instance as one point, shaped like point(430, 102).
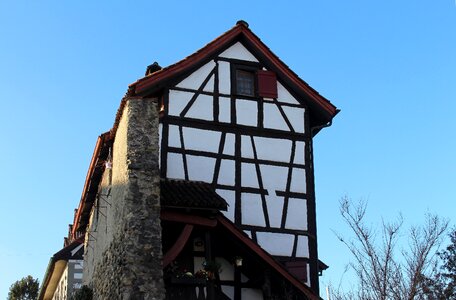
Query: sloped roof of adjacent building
point(57, 265)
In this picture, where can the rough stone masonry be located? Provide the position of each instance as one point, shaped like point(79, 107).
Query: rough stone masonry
point(123, 256)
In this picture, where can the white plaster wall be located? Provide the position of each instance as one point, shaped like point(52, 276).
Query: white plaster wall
point(276, 243)
point(246, 147)
point(224, 77)
point(273, 149)
point(299, 157)
point(160, 135)
point(295, 116)
point(229, 144)
point(202, 140)
point(174, 136)
point(200, 168)
point(296, 214)
point(252, 210)
point(308, 276)
point(228, 291)
point(302, 249)
point(227, 172)
point(274, 178)
point(298, 180)
point(227, 269)
point(275, 208)
point(194, 80)
point(224, 109)
point(209, 87)
point(283, 95)
point(202, 108)
point(229, 197)
point(272, 118)
point(249, 176)
point(177, 101)
point(175, 166)
point(238, 51)
point(198, 263)
point(246, 112)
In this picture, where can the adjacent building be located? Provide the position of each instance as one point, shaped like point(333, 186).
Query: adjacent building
point(64, 272)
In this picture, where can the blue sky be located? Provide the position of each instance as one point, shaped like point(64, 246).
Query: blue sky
point(388, 65)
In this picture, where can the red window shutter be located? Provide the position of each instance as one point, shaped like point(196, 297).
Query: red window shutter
point(298, 269)
point(267, 84)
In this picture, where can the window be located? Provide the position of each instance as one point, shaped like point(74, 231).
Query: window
point(250, 81)
point(245, 83)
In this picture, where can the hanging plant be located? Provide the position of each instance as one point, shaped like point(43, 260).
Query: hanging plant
point(212, 268)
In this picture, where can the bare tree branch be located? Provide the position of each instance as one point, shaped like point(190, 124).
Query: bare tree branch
point(384, 272)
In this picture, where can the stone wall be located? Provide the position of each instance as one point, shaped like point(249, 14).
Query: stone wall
point(123, 244)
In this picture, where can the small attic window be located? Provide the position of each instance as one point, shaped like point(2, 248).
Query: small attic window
point(250, 81)
point(245, 83)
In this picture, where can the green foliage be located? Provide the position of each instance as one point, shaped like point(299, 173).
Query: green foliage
point(24, 289)
point(212, 266)
point(443, 285)
point(84, 293)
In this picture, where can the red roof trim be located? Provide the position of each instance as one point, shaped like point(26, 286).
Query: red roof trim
point(93, 164)
point(166, 73)
point(142, 86)
point(287, 72)
point(174, 251)
point(227, 224)
point(173, 216)
point(266, 257)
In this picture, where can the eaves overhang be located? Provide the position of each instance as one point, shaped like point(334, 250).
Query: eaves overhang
point(323, 111)
point(90, 189)
point(57, 264)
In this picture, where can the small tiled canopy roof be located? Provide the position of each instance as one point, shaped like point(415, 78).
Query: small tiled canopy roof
point(190, 194)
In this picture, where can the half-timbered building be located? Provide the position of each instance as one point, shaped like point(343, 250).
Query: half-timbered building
point(235, 124)
point(237, 117)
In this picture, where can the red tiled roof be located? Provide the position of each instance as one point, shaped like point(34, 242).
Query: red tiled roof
point(93, 177)
point(190, 194)
point(322, 109)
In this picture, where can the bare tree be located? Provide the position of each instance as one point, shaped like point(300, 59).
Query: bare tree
point(383, 271)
